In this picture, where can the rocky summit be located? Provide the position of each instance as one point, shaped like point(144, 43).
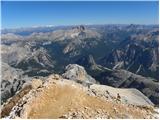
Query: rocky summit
point(57, 97)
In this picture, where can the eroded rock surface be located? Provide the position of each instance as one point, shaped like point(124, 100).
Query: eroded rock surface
point(57, 97)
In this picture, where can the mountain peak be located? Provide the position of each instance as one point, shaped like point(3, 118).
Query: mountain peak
point(87, 62)
point(80, 28)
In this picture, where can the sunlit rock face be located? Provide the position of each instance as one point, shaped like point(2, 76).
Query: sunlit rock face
point(76, 72)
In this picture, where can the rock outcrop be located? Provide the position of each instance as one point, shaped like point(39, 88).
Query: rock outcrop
point(12, 80)
point(76, 72)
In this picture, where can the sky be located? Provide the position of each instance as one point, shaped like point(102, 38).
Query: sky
point(16, 14)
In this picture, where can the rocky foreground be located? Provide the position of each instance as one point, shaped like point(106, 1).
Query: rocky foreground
point(57, 97)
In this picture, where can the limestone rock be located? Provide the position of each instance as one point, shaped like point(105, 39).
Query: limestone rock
point(76, 72)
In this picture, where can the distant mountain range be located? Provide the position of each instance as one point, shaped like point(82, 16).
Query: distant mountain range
point(122, 56)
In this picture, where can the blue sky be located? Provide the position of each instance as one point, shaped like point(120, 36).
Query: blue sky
point(27, 14)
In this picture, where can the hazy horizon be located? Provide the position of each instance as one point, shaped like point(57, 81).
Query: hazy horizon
point(27, 27)
point(24, 14)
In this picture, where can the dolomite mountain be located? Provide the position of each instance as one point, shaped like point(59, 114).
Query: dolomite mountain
point(104, 63)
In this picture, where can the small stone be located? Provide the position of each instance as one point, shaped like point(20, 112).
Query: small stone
point(86, 107)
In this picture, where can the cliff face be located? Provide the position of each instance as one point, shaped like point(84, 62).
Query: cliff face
point(56, 97)
point(137, 54)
